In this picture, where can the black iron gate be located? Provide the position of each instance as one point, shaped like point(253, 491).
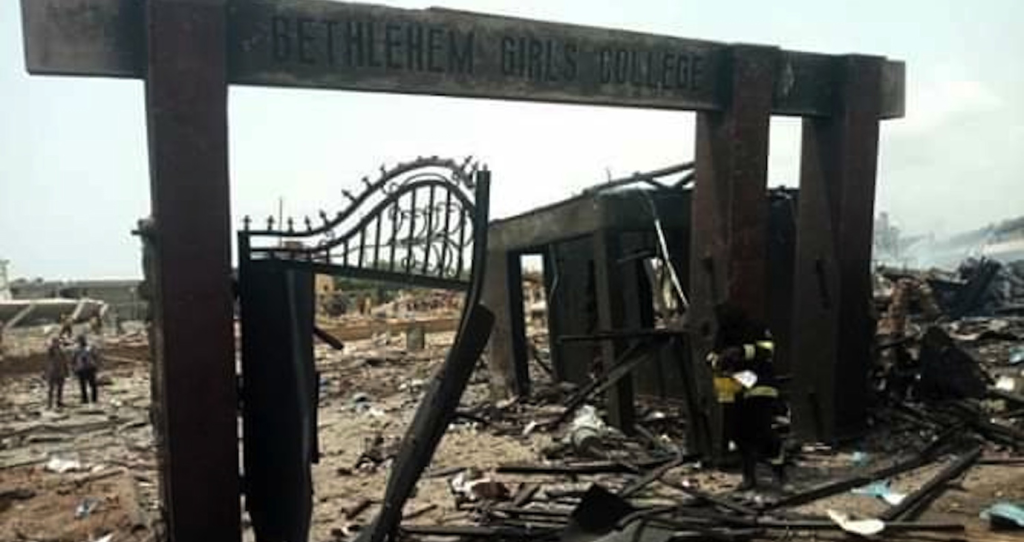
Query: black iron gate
point(423, 223)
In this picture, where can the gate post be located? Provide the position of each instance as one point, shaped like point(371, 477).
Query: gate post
point(832, 324)
point(730, 213)
point(186, 107)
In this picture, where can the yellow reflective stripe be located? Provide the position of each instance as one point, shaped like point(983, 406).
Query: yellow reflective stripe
point(749, 351)
point(762, 391)
point(766, 345)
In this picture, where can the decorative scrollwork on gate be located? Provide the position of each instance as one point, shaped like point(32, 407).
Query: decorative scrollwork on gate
point(418, 222)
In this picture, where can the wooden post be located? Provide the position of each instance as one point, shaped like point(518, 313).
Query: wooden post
point(833, 329)
point(730, 210)
point(611, 315)
point(186, 104)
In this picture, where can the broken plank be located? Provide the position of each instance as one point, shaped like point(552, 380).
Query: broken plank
point(650, 477)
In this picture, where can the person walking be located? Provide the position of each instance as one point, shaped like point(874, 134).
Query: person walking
point(56, 373)
point(86, 365)
point(746, 386)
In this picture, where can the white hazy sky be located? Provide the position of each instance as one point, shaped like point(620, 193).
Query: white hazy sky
point(73, 159)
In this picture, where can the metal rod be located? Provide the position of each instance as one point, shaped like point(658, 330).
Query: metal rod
point(463, 219)
point(376, 245)
point(447, 223)
point(409, 257)
point(430, 230)
point(395, 217)
point(362, 246)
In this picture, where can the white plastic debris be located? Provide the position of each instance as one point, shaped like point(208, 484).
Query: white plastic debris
point(473, 485)
point(880, 490)
point(1006, 383)
point(587, 428)
point(61, 465)
point(862, 527)
point(746, 378)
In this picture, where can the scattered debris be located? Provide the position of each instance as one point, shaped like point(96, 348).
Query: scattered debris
point(61, 466)
point(86, 507)
point(862, 527)
point(880, 489)
point(1004, 515)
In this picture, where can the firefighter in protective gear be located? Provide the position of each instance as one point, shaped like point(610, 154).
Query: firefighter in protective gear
point(746, 388)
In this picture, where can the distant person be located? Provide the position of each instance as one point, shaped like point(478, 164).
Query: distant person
point(96, 324)
point(86, 365)
point(118, 324)
point(66, 326)
point(56, 373)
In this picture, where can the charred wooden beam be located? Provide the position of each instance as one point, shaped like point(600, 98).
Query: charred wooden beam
point(920, 498)
point(834, 487)
point(595, 467)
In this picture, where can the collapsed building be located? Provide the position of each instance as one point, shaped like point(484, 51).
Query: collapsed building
point(616, 260)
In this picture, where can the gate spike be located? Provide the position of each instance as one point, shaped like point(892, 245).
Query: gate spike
point(323, 216)
point(348, 195)
point(270, 222)
point(366, 181)
point(245, 222)
point(291, 225)
point(309, 223)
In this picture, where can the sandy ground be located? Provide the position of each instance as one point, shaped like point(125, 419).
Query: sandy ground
point(369, 392)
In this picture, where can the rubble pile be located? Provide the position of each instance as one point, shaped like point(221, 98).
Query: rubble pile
point(549, 467)
point(949, 411)
point(85, 471)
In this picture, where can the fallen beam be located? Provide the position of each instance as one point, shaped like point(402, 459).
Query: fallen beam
point(687, 521)
point(649, 478)
point(845, 484)
point(597, 467)
point(931, 489)
point(473, 531)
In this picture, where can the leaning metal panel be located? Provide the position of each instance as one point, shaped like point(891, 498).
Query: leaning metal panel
point(414, 224)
